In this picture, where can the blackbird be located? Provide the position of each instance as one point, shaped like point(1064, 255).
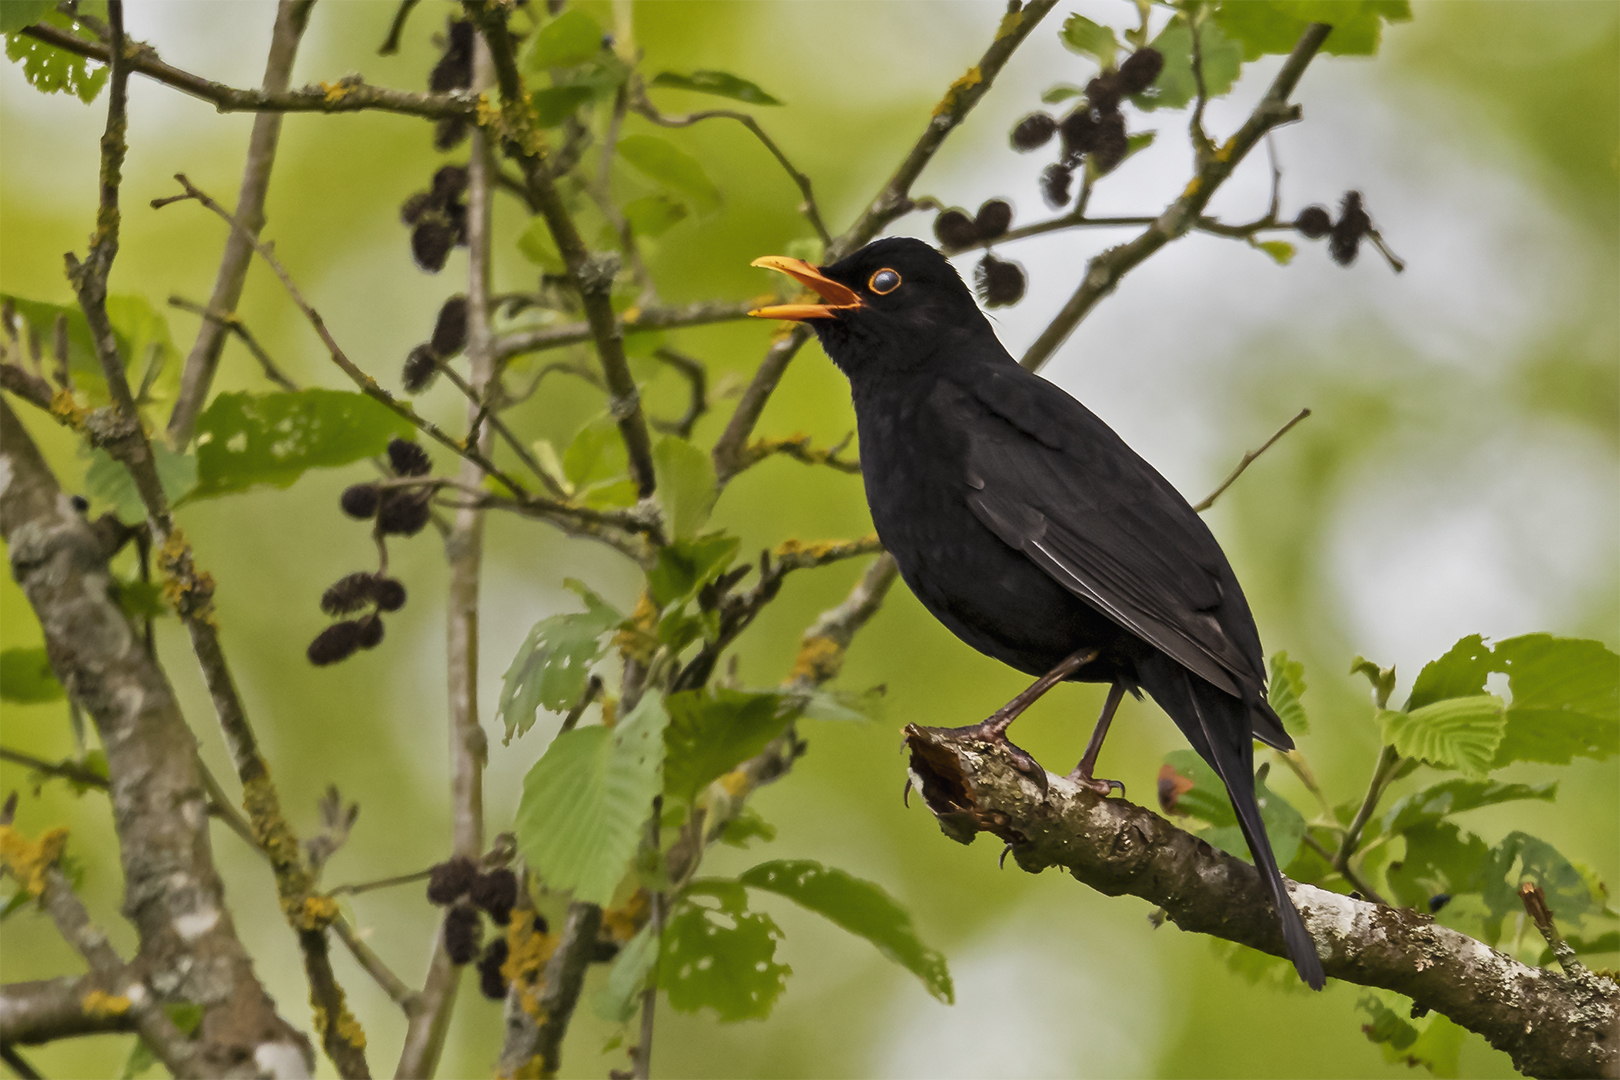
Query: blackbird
point(1027, 526)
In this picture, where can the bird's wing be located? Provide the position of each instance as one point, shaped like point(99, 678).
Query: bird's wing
point(1052, 480)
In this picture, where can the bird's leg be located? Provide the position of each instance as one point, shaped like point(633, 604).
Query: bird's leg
point(1082, 772)
point(994, 727)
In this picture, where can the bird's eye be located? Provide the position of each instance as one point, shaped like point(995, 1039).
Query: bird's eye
point(883, 282)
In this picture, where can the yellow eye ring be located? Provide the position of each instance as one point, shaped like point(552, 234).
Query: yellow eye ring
point(884, 282)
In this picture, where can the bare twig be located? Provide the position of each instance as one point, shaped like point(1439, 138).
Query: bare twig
point(517, 342)
point(392, 985)
point(235, 325)
point(198, 375)
point(798, 448)
point(1388, 761)
point(697, 379)
point(390, 45)
point(1248, 459)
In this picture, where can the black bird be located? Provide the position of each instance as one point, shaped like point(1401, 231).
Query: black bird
point(1027, 526)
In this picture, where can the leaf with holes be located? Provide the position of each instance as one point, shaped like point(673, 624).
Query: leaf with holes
point(554, 662)
point(719, 83)
point(248, 439)
point(585, 802)
point(1220, 60)
point(1460, 672)
point(1457, 733)
point(719, 955)
point(862, 908)
point(1566, 699)
point(1287, 693)
point(712, 731)
point(48, 69)
point(1521, 857)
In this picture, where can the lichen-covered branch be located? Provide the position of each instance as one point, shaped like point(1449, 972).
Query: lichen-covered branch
point(45, 1010)
point(1551, 1025)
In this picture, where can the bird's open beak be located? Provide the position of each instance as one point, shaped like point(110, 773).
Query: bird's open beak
point(838, 297)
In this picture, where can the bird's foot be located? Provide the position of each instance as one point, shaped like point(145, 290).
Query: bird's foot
point(1101, 787)
point(994, 730)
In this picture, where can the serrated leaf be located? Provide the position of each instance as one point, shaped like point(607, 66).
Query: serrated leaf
point(585, 802)
point(553, 664)
point(720, 955)
point(627, 978)
point(16, 14)
point(1281, 251)
point(248, 439)
point(1220, 59)
point(1432, 804)
point(1440, 858)
point(47, 68)
point(665, 163)
point(571, 38)
point(1566, 699)
point(1460, 672)
point(1456, 733)
point(1081, 35)
point(686, 485)
point(26, 677)
point(1536, 860)
point(651, 216)
point(109, 483)
point(719, 83)
point(862, 908)
point(1287, 693)
point(1208, 801)
point(685, 566)
point(712, 731)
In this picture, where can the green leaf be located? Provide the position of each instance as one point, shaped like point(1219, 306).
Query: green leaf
point(1208, 801)
point(627, 978)
point(1256, 968)
point(665, 163)
point(723, 956)
point(596, 464)
point(1135, 144)
point(1287, 693)
point(862, 908)
point(137, 329)
point(1440, 858)
point(1566, 699)
point(536, 245)
point(747, 825)
point(1536, 860)
point(1281, 251)
point(553, 663)
point(1434, 1043)
point(26, 677)
point(1432, 804)
point(1062, 92)
point(686, 485)
point(147, 348)
point(557, 103)
point(1274, 26)
point(719, 83)
point(1457, 733)
point(653, 215)
point(685, 566)
point(844, 705)
point(183, 1014)
point(1087, 38)
point(571, 38)
point(1382, 678)
point(712, 731)
point(16, 14)
point(109, 483)
point(1459, 673)
point(248, 439)
point(1388, 1026)
point(1221, 59)
point(141, 599)
point(585, 803)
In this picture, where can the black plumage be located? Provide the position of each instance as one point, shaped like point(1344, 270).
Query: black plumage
point(1034, 533)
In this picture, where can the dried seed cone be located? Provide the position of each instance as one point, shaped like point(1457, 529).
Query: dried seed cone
point(1314, 222)
point(1055, 182)
point(1140, 70)
point(408, 458)
point(993, 218)
point(496, 892)
point(349, 594)
point(449, 880)
point(337, 642)
point(463, 933)
point(450, 329)
point(1033, 132)
point(359, 501)
point(421, 368)
point(490, 980)
point(403, 513)
point(1079, 130)
point(999, 283)
point(954, 229)
point(389, 593)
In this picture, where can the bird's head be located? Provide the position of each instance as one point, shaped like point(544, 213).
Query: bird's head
point(890, 307)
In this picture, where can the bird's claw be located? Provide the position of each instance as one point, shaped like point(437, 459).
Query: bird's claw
point(1001, 863)
point(1102, 787)
point(905, 796)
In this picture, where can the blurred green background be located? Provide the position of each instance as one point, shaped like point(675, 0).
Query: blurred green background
point(1458, 476)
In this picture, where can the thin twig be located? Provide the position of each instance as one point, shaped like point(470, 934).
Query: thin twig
point(1248, 459)
point(235, 325)
point(697, 379)
point(1202, 146)
point(1388, 761)
point(358, 887)
point(390, 45)
point(539, 339)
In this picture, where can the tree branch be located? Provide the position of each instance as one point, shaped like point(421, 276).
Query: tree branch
point(43, 1011)
point(703, 313)
point(1104, 272)
point(1248, 459)
point(1550, 1025)
point(233, 323)
point(198, 375)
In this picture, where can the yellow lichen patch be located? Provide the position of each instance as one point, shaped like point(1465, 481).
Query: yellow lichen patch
point(532, 1069)
point(622, 922)
point(347, 1028)
point(1009, 22)
point(639, 640)
point(610, 711)
point(1192, 188)
point(631, 314)
point(270, 830)
point(316, 913)
point(97, 1003)
point(335, 92)
point(819, 660)
point(67, 410)
point(736, 783)
point(189, 591)
point(527, 951)
point(969, 80)
point(27, 860)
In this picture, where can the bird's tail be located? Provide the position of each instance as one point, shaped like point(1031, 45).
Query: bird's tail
point(1223, 739)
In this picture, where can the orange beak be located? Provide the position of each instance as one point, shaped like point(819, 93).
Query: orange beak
point(838, 297)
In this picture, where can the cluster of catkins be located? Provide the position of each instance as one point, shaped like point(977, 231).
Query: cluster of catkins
point(454, 71)
point(1344, 236)
point(449, 338)
point(438, 218)
point(458, 884)
point(394, 512)
point(1095, 126)
point(999, 283)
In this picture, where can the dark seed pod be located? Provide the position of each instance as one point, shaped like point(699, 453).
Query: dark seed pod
point(1352, 225)
point(336, 642)
point(1438, 901)
point(454, 69)
point(431, 242)
point(1079, 131)
point(403, 513)
point(463, 932)
point(448, 133)
point(496, 891)
point(1314, 222)
point(389, 593)
point(540, 924)
point(408, 458)
point(1055, 181)
point(80, 503)
point(490, 980)
point(1102, 93)
point(450, 329)
point(449, 184)
point(371, 631)
point(421, 368)
point(414, 207)
point(993, 218)
point(348, 594)
point(1140, 70)
point(359, 501)
point(447, 881)
point(1112, 143)
point(999, 283)
point(1033, 131)
point(954, 229)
